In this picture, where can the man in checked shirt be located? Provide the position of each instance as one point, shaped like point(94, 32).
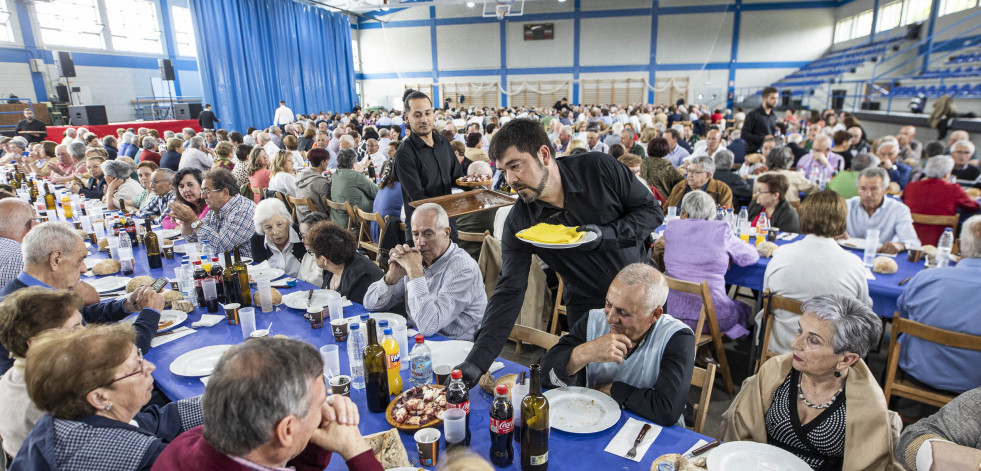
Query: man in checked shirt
point(228, 223)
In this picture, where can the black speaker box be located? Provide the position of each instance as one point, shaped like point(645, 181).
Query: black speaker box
point(187, 110)
point(64, 63)
point(88, 115)
point(166, 69)
point(62, 91)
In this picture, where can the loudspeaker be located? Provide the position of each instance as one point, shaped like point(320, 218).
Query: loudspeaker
point(88, 115)
point(187, 110)
point(166, 69)
point(913, 31)
point(62, 91)
point(838, 99)
point(64, 63)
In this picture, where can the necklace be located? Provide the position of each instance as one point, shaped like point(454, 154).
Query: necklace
point(800, 394)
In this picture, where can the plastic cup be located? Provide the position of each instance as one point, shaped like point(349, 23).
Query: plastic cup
point(335, 309)
point(332, 360)
point(427, 442)
point(341, 384)
point(316, 317)
point(442, 373)
point(339, 328)
point(518, 393)
point(672, 211)
point(247, 317)
point(210, 290)
point(265, 294)
point(871, 246)
point(401, 335)
point(231, 313)
point(455, 426)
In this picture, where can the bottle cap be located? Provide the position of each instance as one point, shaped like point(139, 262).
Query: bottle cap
point(420, 338)
point(456, 374)
point(383, 323)
point(354, 326)
point(501, 389)
point(364, 317)
point(387, 331)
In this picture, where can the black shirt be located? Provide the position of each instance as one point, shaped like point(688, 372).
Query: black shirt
point(663, 403)
point(598, 190)
point(33, 125)
point(756, 127)
point(425, 171)
point(206, 119)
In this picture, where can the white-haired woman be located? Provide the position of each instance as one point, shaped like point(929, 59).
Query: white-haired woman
point(276, 239)
point(936, 195)
point(821, 402)
point(119, 185)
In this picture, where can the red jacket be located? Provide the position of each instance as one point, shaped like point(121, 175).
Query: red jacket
point(149, 155)
point(935, 197)
point(191, 451)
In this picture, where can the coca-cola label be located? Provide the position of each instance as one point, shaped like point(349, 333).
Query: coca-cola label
point(463, 405)
point(501, 427)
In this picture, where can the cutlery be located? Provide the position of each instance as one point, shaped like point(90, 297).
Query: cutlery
point(309, 298)
point(161, 334)
point(556, 381)
point(905, 280)
point(702, 449)
point(640, 437)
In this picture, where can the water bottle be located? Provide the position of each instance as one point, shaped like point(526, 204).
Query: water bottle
point(944, 247)
point(355, 344)
point(720, 213)
point(187, 280)
point(743, 221)
point(421, 362)
point(731, 219)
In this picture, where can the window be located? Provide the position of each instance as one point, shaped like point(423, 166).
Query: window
point(183, 32)
point(862, 25)
point(74, 23)
point(843, 30)
point(889, 16)
point(953, 6)
point(133, 26)
point(916, 11)
point(6, 32)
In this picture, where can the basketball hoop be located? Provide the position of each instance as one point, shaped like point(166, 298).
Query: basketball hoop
point(502, 10)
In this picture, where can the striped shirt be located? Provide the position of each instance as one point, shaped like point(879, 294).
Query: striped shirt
point(11, 260)
point(158, 207)
point(228, 227)
point(449, 300)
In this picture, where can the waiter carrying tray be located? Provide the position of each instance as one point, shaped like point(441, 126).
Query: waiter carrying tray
point(592, 191)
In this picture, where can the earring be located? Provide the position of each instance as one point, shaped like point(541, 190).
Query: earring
point(108, 407)
point(837, 375)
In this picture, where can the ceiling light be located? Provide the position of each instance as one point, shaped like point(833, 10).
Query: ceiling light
point(561, 1)
point(470, 4)
point(384, 8)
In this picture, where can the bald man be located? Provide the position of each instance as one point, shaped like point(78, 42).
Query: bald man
point(16, 218)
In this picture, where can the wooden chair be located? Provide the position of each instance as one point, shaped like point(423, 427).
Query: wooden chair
point(895, 385)
point(540, 338)
point(707, 314)
point(702, 378)
point(930, 220)
point(472, 236)
point(258, 190)
point(352, 218)
point(772, 302)
point(559, 306)
point(364, 231)
point(294, 202)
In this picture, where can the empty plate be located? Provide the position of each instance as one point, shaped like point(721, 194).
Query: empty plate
point(200, 362)
point(575, 409)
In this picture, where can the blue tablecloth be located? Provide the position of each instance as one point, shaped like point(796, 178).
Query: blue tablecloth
point(567, 451)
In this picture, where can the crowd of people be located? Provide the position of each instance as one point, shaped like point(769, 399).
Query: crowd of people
point(608, 170)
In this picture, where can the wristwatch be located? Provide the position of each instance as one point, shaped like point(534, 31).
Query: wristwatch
point(195, 225)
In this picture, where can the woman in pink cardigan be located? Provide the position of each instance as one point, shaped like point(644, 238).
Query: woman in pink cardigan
point(187, 187)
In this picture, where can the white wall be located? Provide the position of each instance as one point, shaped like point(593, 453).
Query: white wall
point(456, 49)
point(16, 78)
point(600, 43)
point(802, 34)
point(705, 37)
point(395, 50)
point(544, 53)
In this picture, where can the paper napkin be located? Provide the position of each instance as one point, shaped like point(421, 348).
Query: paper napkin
point(624, 439)
point(208, 320)
point(176, 334)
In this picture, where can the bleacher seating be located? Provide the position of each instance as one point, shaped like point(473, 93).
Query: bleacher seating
point(956, 77)
point(834, 64)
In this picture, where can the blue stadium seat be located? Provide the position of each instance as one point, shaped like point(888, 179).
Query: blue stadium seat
point(976, 91)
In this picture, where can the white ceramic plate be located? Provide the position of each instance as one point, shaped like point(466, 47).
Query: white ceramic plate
point(200, 362)
point(449, 352)
point(165, 233)
point(109, 283)
point(298, 299)
point(256, 272)
point(853, 243)
point(581, 410)
point(752, 456)
point(589, 237)
point(173, 316)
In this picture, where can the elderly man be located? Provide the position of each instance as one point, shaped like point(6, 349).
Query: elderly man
point(149, 153)
point(119, 186)
point(713, 142)
point(820, 160)
point(16, 218)
point(31, 129)
point(561, 144)
point(910, 148)
point(742, 192)
point(436, 282)
point(297, 427)
point(699, 177)
point(942, 298)
point(845, 183)
point(856, 141)
point(631, 146)
point(161, 185)
point(899, 172)
point(198, 156)
point(229, 222)
point(54, 258)
point(310, 183)
point(594, 144)
point(872, 210)
point(374, 153)
point(935, 195)
point(109, 143)
point(962, 152)
point(631, 349)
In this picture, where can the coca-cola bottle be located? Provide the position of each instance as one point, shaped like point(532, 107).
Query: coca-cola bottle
point(501, 428)
point(458, 397)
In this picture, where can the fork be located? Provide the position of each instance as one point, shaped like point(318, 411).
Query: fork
point(640, 437)
point(556, 381)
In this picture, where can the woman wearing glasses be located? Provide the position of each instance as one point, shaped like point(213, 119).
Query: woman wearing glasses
point(93, 384)
point(771, 192)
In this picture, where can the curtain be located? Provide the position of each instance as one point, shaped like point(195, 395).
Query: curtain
point(254, 53)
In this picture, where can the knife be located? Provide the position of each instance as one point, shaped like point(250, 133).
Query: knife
point(640, 437)
point(702, 449)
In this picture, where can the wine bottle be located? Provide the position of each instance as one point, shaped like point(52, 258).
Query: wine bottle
point(534, 425)
point(152, 246)
point(375, 372)
point(231, 281)
point(244, 291)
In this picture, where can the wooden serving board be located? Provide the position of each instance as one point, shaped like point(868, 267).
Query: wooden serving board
point(468, 202)
point(409, 428)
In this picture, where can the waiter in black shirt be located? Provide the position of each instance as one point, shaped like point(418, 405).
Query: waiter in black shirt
point(424, 162)
point(592, 191)
point(207, 118)
point(32, 129)
point(761, 122)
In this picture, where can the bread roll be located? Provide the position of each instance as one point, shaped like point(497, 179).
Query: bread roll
point(183, 305)
point(171, 296)
point(276, 297)
point(884, 265)
point(103, 245)
point(388, 449)
point(766, 249)
point(106, 267)
point(138, 282)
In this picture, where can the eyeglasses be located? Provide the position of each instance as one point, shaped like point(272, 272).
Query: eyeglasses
point(139, 370)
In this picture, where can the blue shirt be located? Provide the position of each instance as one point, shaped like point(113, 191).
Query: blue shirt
point(892, 219)
point(900, 174)
point(677, 156)
point(946, 298)
point(388, 202)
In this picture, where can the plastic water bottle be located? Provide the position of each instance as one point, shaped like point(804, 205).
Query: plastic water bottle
point(186, 281)
point(355, 345)
point(126, 261)
point(742, 224)
point(421, 361)
point(730, 219)
point(944, 247)
point(720, 213)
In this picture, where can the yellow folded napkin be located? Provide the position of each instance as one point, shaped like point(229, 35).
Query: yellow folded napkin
point(551, 234)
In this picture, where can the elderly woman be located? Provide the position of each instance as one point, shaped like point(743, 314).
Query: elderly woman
point(187, 191)
point(821, 403)
point(119, 186)
point(276, 239)
point(309, 270)
point(813, 266)
point(144, 171)
point(93, 384)
point(134, 147)
point(780, 160)
point(771, 200)
point(224, 153)
point(350, 185)
point(345, 270)
point(61, 165)
point(935, 195)
point(281, 177)
point(149, 153)
point(699, 248)
point(699, 177)
point(475, 151)
point(258, 170)
point(24, 314)
point(172, 157)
